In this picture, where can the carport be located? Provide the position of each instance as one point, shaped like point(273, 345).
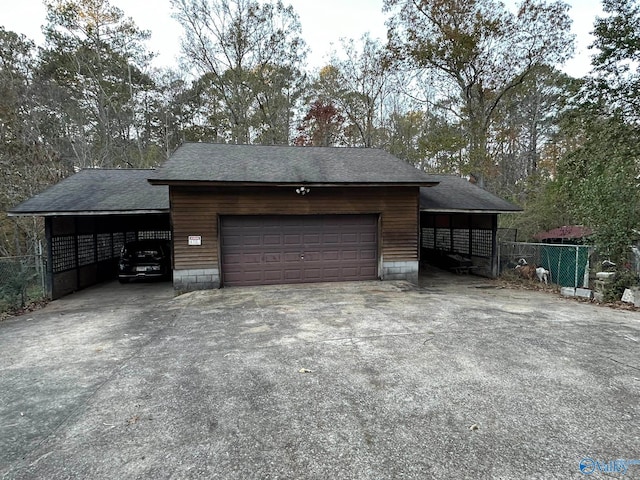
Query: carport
point(459, 226)
point(89, 216)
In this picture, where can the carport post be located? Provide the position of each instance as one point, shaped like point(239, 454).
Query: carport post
point(49, 264)
point(494, 246)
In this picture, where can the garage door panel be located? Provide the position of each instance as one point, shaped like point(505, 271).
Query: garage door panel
point(330, 238)
point(273, 258)
point(368, 254)
point(254, 276)
point(331, 255)
point(368, 271)
point(273, 275)
point(350, 271)
point(291, 240)
point(368, 238)
point(291, 249)
point(332, 272)
point(312, 256)
point(347, 238)
point(293, 275)
point(244, 276)
point(312, 239)
point(272, 239)
point(313, 274)
point(251, 240)
point(350, 255)
point(231, 259)
point(293, 257)
point(231, 240)
point(252, 258)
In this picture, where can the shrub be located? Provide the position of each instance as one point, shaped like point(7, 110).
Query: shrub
point(13, 290)
point(623, 279)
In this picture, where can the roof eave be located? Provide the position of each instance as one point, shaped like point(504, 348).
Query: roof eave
point(85, 212)
point(206, 183)
point(467, 210)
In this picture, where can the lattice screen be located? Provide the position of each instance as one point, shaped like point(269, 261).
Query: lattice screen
point(154, 235)
point(461, 241)
point(118, 242)
point(63, 251)
point(481, 243)
point(86, 250)
point(441, 239)
point(105, 249)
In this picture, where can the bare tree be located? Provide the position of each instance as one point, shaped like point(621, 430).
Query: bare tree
point(358, 81)
point(95, 58)
point(28, 160)
point(252, 53)
point(483, 49)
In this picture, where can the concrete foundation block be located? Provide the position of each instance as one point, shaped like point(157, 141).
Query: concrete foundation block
point(401, 271)
point(631, 295)
point(584, 293)
point(196, 279)
point(605, 275)
point(568, 292)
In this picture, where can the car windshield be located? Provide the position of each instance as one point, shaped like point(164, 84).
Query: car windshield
point(147, 253)
point(142, 251)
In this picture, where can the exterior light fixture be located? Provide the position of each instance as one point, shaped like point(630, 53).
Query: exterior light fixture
point(302, 190)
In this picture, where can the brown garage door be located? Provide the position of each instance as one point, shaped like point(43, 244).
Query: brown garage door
point(262, 250)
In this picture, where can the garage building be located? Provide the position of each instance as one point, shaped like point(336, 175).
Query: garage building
point(249, 215)
point(255, 215)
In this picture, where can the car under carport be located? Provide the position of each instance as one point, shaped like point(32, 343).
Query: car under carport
point(89, 216)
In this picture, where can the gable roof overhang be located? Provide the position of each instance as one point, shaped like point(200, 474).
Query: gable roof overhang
point(98, 192)
point(204, 183)
point(453, 194)
point(81, 213)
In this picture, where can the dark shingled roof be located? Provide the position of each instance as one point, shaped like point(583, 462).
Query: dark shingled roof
point(127, 191)
point(455, 194)
point(98, 191)
point(284, 165)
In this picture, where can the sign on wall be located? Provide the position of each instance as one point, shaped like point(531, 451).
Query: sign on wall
point(195, 240)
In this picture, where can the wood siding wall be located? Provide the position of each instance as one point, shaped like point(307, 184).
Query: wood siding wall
point(195, 211)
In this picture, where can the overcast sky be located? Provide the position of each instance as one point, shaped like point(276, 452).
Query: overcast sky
point(323, 22)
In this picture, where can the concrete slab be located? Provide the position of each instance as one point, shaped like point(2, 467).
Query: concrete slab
point(632, 295)
point(584, 293)
point(453, 379)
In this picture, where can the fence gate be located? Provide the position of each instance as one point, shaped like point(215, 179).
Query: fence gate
point(568, 264)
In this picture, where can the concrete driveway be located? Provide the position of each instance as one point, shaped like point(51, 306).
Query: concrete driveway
point(372, 380)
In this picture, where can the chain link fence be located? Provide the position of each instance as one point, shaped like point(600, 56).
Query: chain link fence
point(568, 265)
point(22, 280)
